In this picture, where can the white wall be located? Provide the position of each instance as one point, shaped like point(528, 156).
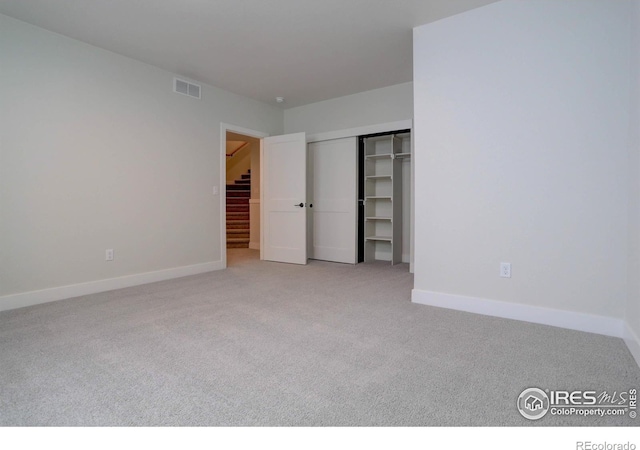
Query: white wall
point(97, 152)
point(389, 104)
point(521, 153)
point(633, 297)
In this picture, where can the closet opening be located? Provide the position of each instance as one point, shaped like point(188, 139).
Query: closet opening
point(384, 197)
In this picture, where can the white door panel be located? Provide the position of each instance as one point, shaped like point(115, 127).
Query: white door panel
point(333, 169)
point(284, 178)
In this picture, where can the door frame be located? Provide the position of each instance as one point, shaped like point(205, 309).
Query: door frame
point(222, 184)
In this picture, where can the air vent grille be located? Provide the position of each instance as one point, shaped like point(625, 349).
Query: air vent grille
point(186, 88)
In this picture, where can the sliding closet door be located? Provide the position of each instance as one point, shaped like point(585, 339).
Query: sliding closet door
point(333, 186)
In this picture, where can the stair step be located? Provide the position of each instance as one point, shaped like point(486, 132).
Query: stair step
point(238, 208)
point(246, 194)
point(237, 215)
point(238, 227)
point(238, 187)
point(238, 239)
point(235, 221)
point(243, 182)
point(238, 231)
point(237, 201)
point(246, 176)
point(237, 244)
point(234, 238)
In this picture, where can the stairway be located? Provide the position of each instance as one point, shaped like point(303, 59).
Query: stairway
point(238, 195)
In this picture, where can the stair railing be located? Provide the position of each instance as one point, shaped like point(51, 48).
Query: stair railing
point(229, 155)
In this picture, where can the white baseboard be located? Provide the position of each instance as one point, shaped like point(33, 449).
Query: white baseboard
point(254, 245)
point(607, 326)
point(14, 301)
point(633, 343)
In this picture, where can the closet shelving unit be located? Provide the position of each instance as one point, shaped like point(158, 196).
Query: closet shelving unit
point(383, 198)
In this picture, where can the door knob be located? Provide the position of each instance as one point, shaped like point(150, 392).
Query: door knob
point(301, 205)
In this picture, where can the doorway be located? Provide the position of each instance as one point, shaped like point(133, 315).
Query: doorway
point(239, 194)
point(243, 172)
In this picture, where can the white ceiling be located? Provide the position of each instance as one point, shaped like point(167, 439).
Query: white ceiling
point(303, 50)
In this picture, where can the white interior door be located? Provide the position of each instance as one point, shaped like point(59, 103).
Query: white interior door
point(333, 185)
point(284, 198)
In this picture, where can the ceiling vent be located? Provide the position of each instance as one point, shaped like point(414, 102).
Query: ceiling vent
point(186, 88)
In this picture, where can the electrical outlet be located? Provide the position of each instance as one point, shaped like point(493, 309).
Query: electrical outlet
point(505, 270)
point(215, 190)
point(108, 254)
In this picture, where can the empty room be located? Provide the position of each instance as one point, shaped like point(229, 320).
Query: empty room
point(286, 213)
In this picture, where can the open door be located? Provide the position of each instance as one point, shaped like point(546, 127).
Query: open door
point(333, 186)
point(284, 198)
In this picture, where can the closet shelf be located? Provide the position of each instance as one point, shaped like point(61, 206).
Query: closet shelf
point(383, 172)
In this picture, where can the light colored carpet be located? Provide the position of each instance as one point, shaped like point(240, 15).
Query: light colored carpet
point(275, 344)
